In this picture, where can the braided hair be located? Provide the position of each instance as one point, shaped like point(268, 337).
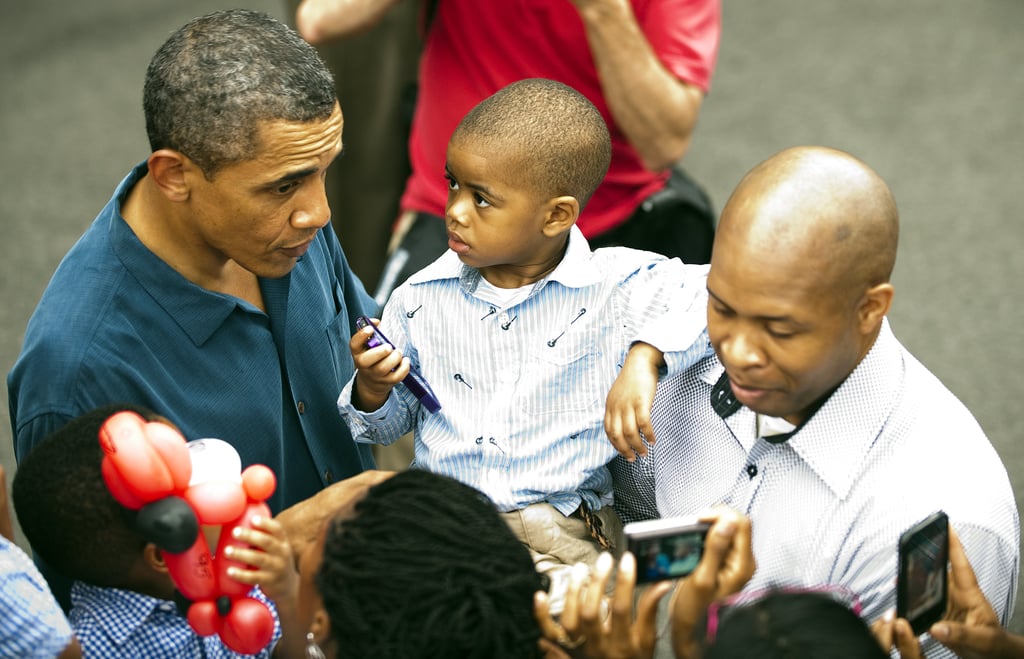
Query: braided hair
point(426, 567)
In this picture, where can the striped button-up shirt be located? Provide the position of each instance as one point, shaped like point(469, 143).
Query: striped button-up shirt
point(523, 385)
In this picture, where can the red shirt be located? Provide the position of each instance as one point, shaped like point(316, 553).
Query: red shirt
point(476, 47)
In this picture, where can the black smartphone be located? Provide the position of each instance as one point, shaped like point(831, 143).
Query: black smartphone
point(666, 548)
point(921, 585)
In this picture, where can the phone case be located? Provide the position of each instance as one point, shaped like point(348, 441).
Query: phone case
point(414, 382)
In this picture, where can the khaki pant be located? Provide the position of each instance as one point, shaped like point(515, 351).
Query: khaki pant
point(557, 542)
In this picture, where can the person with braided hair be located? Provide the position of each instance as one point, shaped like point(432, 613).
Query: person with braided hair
point(419, 565)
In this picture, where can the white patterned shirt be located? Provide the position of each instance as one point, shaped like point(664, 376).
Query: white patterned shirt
point(890, 446)
point(523, 387)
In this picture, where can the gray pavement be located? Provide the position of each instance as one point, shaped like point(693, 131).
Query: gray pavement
point(928, 92)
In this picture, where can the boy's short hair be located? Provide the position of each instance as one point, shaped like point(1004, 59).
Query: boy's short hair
point(426, 567)
point(65, 510)
point(561, 138)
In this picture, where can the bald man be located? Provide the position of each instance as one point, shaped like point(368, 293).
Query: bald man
point(811, 417)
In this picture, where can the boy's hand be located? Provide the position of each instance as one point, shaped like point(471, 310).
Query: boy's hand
point(627, 416)
point(377, 370)
point(270, 556)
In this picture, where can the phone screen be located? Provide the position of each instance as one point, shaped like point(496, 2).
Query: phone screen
point(666, 551)
point(923, 558)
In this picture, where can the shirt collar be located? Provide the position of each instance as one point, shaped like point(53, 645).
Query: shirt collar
point(198, 311)
point(119, 613)
point(835, 439)
point(575, 270)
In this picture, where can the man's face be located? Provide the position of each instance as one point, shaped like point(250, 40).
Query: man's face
point(785, 336)
point(264, 212)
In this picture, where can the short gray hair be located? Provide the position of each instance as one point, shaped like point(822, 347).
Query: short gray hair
point(216, 78)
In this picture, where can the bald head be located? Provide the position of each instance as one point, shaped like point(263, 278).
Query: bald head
point(821, 210)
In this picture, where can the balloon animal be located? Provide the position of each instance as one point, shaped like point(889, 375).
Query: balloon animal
point(176, 487)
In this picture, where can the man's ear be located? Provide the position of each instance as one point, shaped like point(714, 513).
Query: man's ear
point(562, 214)
point(170, 171)
point(874, 305)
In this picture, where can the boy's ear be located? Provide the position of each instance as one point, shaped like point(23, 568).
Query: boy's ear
point(562, 214)
point(153, 558)
point(170, 171)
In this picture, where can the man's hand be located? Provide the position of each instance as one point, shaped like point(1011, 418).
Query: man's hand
point(587, 628)
point(627, 416)
point(726, 566)
point(378, 370)
point(970, 627)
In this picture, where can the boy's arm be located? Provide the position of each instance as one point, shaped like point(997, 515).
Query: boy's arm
point(274, 571)
point(627, 416)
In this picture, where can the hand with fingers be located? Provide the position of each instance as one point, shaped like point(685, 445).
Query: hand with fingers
point(379, 367)
point(598, 627)
point(970, 627)
point(627, 417)
point(262, 556)
point(726, 566)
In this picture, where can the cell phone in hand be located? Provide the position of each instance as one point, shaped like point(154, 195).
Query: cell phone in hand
point(921, 584)
point(667, 548)
point(414, 382)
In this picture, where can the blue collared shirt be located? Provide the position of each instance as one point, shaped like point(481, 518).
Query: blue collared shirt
point(32, 624)
point(114, 623)
point(117, 324)
point(523, 386)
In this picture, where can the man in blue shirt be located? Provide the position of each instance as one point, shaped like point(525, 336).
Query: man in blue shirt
point(211, 288)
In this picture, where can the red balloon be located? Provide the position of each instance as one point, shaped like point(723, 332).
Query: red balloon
point(119, 489)
point(216, 502)
point(204, 618)
point(126, 445)
point(248, 627)
point(192, 571)
point(259, 482)
point(173, 451)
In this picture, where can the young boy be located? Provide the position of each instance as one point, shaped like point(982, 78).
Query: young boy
point(122, 600)
point(521, 330)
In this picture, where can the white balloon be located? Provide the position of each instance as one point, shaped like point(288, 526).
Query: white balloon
point(214, 460)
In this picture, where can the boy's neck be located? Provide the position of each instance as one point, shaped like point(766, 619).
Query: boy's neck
point(512, 275)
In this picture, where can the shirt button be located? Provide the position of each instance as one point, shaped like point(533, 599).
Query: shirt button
point(302, 407)
point(751, 470)
point(328, 475)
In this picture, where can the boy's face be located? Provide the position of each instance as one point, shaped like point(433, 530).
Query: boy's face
point(496, 222)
